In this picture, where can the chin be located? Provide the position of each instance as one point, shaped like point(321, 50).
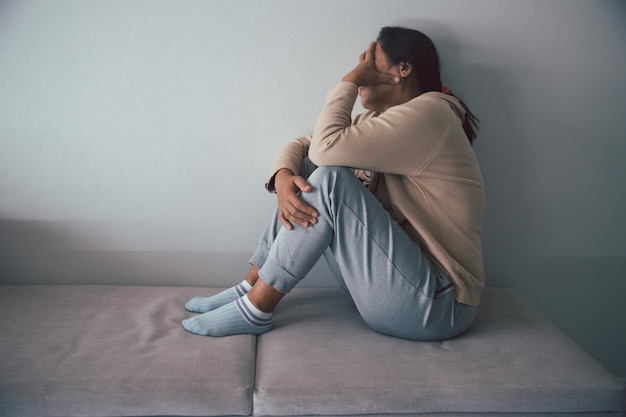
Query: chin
point(364, 94)
point(369, 106)
point(368, 103)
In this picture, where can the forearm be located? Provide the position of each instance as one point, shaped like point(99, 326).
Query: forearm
point(335, 117)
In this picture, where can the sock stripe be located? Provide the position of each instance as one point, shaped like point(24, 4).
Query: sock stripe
point(241, 290)
point(250, 316)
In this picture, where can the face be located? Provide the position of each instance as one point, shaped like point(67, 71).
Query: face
point(380, 97)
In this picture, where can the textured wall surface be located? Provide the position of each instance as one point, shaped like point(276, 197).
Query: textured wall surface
point(135, 137)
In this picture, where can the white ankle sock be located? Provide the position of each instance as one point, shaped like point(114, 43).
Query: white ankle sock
point(249, 310)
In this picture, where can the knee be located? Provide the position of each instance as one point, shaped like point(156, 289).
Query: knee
point(333, 183)
point(330, 175)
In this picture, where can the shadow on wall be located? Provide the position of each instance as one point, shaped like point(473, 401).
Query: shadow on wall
point(43, 252)
point(503, 157)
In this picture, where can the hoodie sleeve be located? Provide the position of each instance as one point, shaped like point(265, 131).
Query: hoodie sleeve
point(402, 140)
point(289, 157)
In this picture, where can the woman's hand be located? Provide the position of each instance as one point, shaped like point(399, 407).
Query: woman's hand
point(291, 208)
point(365, 73)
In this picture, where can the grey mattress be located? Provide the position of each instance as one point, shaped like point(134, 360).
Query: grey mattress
point(120, 351)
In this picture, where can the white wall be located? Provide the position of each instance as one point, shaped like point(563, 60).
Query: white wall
point(135, 137)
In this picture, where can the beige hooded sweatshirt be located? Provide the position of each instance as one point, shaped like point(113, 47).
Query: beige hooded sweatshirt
point(416, 159)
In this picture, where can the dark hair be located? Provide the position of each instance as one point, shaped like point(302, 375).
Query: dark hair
point(414, 48)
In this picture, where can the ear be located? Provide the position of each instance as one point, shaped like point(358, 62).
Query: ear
point(406, 69)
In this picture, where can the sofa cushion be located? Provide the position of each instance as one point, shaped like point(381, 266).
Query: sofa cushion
point(115, 350)
point(321, 358)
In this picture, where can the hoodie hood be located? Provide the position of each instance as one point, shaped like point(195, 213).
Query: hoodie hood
point(451, 100)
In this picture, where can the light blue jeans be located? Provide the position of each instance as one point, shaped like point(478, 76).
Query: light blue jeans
point(395, 287)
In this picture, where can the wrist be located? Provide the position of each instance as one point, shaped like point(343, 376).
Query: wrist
point(281, 175)
point(284, 172)
point(350, 78)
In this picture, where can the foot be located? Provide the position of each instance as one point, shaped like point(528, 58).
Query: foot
point(237, 317)
point(205, 304)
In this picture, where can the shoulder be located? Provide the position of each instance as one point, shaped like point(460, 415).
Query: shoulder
point(438, 103)
point(361, 117)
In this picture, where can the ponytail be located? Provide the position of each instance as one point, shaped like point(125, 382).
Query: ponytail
point(471, 122)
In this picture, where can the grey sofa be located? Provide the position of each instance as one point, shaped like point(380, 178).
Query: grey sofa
point(120, 351)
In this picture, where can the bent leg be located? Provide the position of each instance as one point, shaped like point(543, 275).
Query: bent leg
point(395, 287)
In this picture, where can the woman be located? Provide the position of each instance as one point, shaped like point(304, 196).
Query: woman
point(400, 229)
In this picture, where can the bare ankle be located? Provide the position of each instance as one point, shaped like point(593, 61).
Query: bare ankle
point(264, 296)
point(253, 275)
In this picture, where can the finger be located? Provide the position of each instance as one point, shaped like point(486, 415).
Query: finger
point(303, 210)
point(371, 48)
point(295, 199)
point(291, 219)
point(387, 78)
point(368, 55)
point(297, 211)
point(302, 184)
point(303, 218)
point(286, 223)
